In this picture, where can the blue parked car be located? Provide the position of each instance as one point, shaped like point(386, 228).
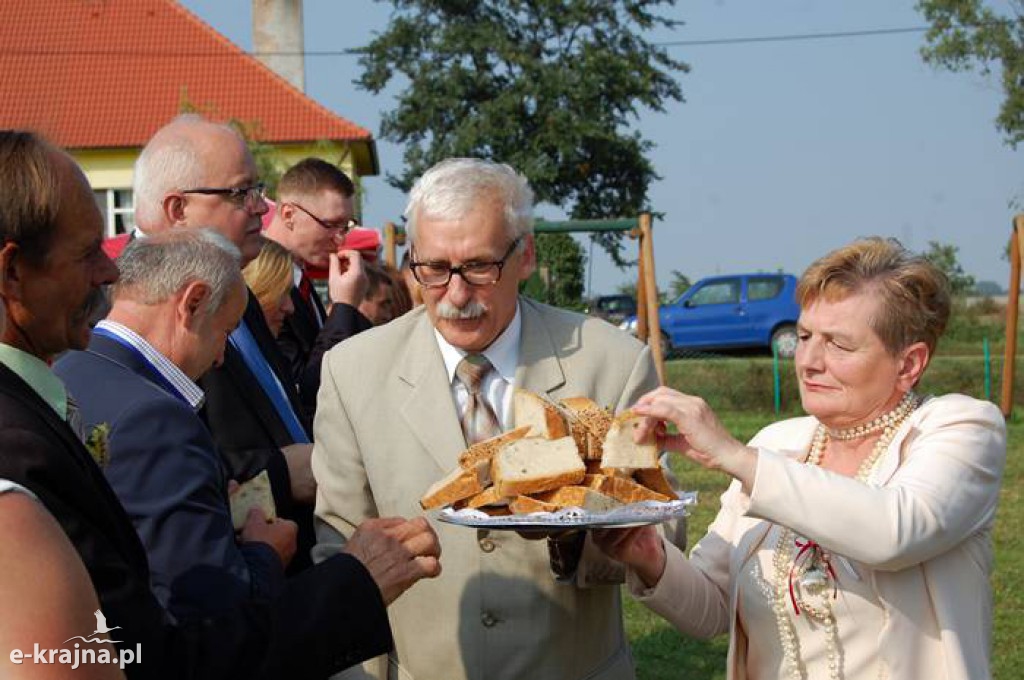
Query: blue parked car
point(727, 312)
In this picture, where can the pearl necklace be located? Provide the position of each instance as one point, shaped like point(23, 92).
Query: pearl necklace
point(809, 591)
point(907, 404)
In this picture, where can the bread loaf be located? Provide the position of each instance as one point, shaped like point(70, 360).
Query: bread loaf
point(588, 424)
point(534, 464)
point(533, 411)
point(620, 452)
point(458, 484)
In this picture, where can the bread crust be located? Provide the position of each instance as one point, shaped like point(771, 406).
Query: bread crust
point(488, 448)
point(460, 483)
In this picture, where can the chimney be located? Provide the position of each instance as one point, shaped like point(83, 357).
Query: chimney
point(277, 38)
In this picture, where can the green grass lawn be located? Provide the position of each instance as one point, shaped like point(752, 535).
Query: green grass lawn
point(662, 653)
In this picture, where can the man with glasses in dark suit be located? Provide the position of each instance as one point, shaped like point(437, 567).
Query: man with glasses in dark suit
point(196, 173)
point(314, 213)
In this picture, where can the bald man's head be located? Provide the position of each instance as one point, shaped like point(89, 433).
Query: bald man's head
point(195, 173)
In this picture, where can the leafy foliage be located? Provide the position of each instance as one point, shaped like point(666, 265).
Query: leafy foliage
point(968, 34)
point(944, 256)
point(558, 279)
point(550, 87)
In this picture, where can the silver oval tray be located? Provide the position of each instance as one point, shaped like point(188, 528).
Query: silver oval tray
point(635, 514)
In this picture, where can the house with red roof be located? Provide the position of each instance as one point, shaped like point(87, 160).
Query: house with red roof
point(99, 77)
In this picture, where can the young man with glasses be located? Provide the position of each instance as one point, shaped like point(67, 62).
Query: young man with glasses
point(314, 213)
point(395, 412)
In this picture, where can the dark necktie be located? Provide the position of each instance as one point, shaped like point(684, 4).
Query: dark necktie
point(479, 421)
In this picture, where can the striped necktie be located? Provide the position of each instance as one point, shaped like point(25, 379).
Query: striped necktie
point(479, 421)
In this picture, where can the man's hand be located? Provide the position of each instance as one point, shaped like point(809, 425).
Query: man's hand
point(396, 552)
point(300, 469)
point(346, 278)
point(279, 534)
point(638, 547)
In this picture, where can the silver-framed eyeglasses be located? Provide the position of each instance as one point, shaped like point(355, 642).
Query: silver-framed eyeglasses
point(439, 274)
point(248, 196)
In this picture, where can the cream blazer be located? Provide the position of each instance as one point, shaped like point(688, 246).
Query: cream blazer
point(921, 529)
point(386, 428)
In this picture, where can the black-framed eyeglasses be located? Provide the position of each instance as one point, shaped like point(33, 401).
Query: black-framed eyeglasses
point(343, 229)
point(247, 196)
point(439, 274)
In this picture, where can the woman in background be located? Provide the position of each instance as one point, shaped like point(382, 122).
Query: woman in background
point(271, 277)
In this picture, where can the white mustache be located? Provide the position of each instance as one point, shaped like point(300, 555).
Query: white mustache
point(472, 310)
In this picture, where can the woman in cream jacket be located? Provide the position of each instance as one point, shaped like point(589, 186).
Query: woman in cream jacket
point(854, 543)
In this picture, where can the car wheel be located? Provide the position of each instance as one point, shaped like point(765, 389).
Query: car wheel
point(666, 346)
point(784, 338)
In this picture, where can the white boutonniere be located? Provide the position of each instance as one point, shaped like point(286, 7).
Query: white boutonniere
point(98, 445)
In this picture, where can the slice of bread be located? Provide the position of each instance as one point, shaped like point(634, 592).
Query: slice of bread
point(254, 493)
point(458, 484)
point(623, 490)
point(486, 449)
point(620, 452)
point(533, 411)
point(535, 464)
point(655, 480)
point(579, 497)
point(489, 497)
point(588, 424)
point(524, 505)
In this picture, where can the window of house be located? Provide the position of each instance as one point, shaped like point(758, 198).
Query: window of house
point(118, 209)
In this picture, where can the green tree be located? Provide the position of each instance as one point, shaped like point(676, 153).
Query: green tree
point(969, 34)
point(558, 279)
point(551, 87)
point(944, 256)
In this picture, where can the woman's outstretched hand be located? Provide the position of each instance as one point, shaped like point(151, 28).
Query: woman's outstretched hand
point(701, 435)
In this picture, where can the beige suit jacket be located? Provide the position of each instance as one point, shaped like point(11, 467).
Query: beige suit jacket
point(386, 428)
point(920, 532)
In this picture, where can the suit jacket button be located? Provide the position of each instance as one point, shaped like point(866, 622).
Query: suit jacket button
point(488, 619)
point(487, 545)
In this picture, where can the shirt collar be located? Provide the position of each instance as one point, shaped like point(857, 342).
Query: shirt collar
point(296, 273)
point(503, 353)
point(164, 366)
point(39, 377)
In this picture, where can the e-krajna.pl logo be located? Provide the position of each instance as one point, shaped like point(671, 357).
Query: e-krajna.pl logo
point(77, 655)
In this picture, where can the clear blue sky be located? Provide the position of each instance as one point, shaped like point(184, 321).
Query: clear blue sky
point(782, 150)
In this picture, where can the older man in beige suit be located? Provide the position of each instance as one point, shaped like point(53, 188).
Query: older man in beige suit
point(390, 408)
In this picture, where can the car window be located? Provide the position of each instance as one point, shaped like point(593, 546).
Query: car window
point(717, 293)
point(763, 287)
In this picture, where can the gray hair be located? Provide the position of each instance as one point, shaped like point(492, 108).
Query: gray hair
point(451, 188)
point(156, 267)
point(169, 162)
